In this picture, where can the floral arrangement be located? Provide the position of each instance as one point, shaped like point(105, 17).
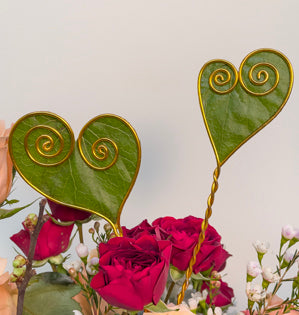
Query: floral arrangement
point(141, 271)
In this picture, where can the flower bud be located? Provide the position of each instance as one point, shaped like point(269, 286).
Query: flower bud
point(91, 230)
point(216, 284)
point(72, 272)
point(253, 269)
point(289, 255)
point(13, 278)
point(82, 250)
point(19, 261)
point(30, 222)
point(92, 266)
point(97, 226)
point(261, 247)
point(269, 275)
point(288, 232)
point(56, 260)
point(215, 275)
point(19, 272)
point(107, 227)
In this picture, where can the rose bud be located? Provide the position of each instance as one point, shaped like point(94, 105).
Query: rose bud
point(13, 278)
point(67, 214)
point(19, 272)
point(30, 222)
point(56, 260)
point(52, 240)
point(19, 261)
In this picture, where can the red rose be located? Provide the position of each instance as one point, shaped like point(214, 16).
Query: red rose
point(52, 240)
point(132, 273)
point(144, 228)
point(65, 213)
point(184, 237)
point(224, 294)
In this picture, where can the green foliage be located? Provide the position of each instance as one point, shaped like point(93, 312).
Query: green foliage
point(159, 308)
point(233, 117)
point(73, 182)
point(51, 293)
point(6, 213)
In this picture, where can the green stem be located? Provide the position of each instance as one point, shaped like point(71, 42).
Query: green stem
point(169, 291)
point(79, 226)
point(53, 266)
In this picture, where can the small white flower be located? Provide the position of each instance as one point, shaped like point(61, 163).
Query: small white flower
point(288, 232)
point(200, 296)
point(82, 250)
point(255, 292)
point(261, 247)
point(92, 266)
point(196, 298)
point(217, 311)
point(289, 255)
point(74, 264)
point(296, 233)
point(77, 312)
point(254, 269)
point(192, 303)
point(269, 275)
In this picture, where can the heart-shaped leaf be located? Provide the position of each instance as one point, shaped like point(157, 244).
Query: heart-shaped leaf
point(95, 174)
point(235, 106)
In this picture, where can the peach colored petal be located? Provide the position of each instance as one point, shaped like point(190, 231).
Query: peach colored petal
point(3, 263)
point(8, 301)
point(275, 301)
point(4, 278)
point(2, 127)
point(93, 253)
point(5, 166)
point(81, 299)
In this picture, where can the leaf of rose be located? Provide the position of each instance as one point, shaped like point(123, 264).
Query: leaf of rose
point(5, 213)
point(161, 307)
point(52, 293)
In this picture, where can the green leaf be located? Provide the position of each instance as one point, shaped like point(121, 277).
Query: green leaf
point(12, 201)
point(199, 276)
point(235, 106)
point(51, 293)
point(176, 274)
point(8, 213)
point(96, 174)
point(161, 307)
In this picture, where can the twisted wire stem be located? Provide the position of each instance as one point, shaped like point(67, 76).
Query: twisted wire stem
point(201, 238)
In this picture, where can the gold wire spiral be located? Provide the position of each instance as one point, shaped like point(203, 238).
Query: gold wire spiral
point(262, 78)
point(201, 238)
point(221, 77)
point(45, 144)
point(100, 151)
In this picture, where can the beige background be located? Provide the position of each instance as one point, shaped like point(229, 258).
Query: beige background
point(140, 60)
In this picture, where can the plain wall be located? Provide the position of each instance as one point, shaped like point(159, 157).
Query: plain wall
point(140, 60)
